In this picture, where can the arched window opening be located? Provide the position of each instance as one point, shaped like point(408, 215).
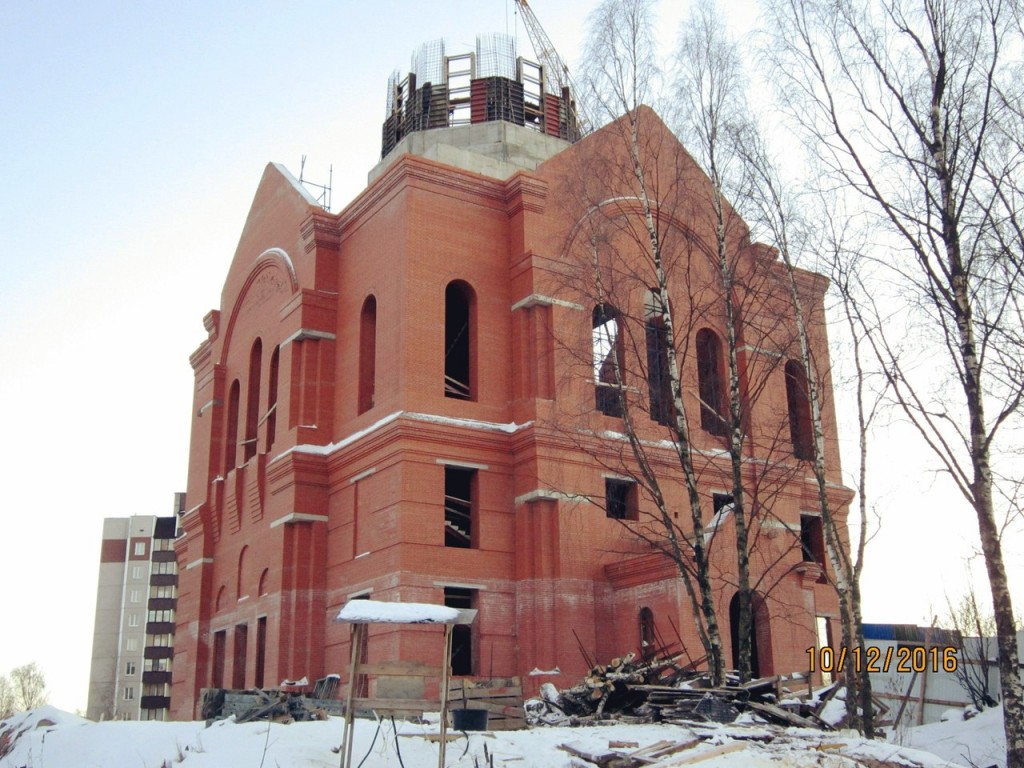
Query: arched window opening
point(231, 436)
point(458, 341)
point(275, 369)
point(659, 379)
point(648, 641)
point(606, 339)
point(367, 353)
point(711, 382)
point(240, 586)
point(798, 403)
point(252, 408)
point(264, 582)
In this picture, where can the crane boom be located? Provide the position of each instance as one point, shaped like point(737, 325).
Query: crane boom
point(556, 73)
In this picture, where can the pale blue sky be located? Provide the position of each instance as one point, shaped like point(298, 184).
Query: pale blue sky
point(132, 139)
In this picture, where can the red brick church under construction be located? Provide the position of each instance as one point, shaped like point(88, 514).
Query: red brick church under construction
point(412, 400)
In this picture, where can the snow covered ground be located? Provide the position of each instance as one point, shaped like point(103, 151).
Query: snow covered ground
point(50, 738)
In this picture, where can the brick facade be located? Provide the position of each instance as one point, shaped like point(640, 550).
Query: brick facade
point(318, 474)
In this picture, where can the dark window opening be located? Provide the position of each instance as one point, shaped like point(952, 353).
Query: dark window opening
point(756, 619)
point(799, 407)
point(606, 340)
point(252, 407)
point(241, 650)
point(620, 499)
point(275, 366)
point(462, 634)
point(220, 640)
point(710, 383)
point(459, 506)
point(231, 443)
point(812, 540)
point(659, 375)
point(458, 341)
point(261, 650)
point(648, 642)
point(367, 353)
point(720, 500)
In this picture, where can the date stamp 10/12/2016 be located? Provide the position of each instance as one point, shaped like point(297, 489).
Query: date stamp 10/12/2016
point(871, 658)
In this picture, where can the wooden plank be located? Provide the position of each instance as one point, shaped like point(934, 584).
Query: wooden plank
point(500, 709)
point(700, 757)
point(487, 693)
point(403, 705)
point(399, 668)
point(778, 713)
point(576, 749)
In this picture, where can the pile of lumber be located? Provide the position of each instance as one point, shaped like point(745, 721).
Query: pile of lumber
point(255, 704)
point(664, 690)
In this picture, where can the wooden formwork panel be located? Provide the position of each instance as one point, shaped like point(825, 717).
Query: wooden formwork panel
point(502, 697)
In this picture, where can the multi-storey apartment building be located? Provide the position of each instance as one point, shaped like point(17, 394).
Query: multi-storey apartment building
point(133, 637)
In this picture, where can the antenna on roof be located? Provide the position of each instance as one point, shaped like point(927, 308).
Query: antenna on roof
point(323, 198)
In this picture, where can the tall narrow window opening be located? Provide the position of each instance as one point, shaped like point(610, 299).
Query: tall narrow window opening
point(659, 379)
point(275, 371)
point(367, 353)
point(620, 499)
point(231, 436)
point(607, 345)
point(812, 540)
point(710, 382)
point(459, 507)
point(462, 660)
point(458, 341)
point(648, 642)
point(219, 652)
point(241, 652)
point(799, 407)
point(252, 407)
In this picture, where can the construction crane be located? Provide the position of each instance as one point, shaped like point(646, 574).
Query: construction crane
point(556, 73)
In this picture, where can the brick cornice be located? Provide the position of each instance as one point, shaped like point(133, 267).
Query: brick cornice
point(524, 192)
point(321, 231)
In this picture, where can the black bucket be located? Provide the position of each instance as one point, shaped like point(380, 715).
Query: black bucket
point(469, 719)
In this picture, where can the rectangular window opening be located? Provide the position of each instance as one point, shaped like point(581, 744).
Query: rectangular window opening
point(812, 540)
point(620, 499)
point(462, 658)
point(459, 507)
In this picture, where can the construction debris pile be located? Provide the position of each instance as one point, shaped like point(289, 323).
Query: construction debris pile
point(277, 706)
point(662, 690)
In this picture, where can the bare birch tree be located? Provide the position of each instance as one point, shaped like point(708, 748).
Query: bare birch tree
point(910, 107)
point(621, 77)
point(709, 92)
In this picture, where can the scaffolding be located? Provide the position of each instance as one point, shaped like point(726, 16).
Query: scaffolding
point(487, 85)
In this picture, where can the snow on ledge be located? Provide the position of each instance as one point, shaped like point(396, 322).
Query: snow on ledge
point(327, 450)
point(367, 611)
